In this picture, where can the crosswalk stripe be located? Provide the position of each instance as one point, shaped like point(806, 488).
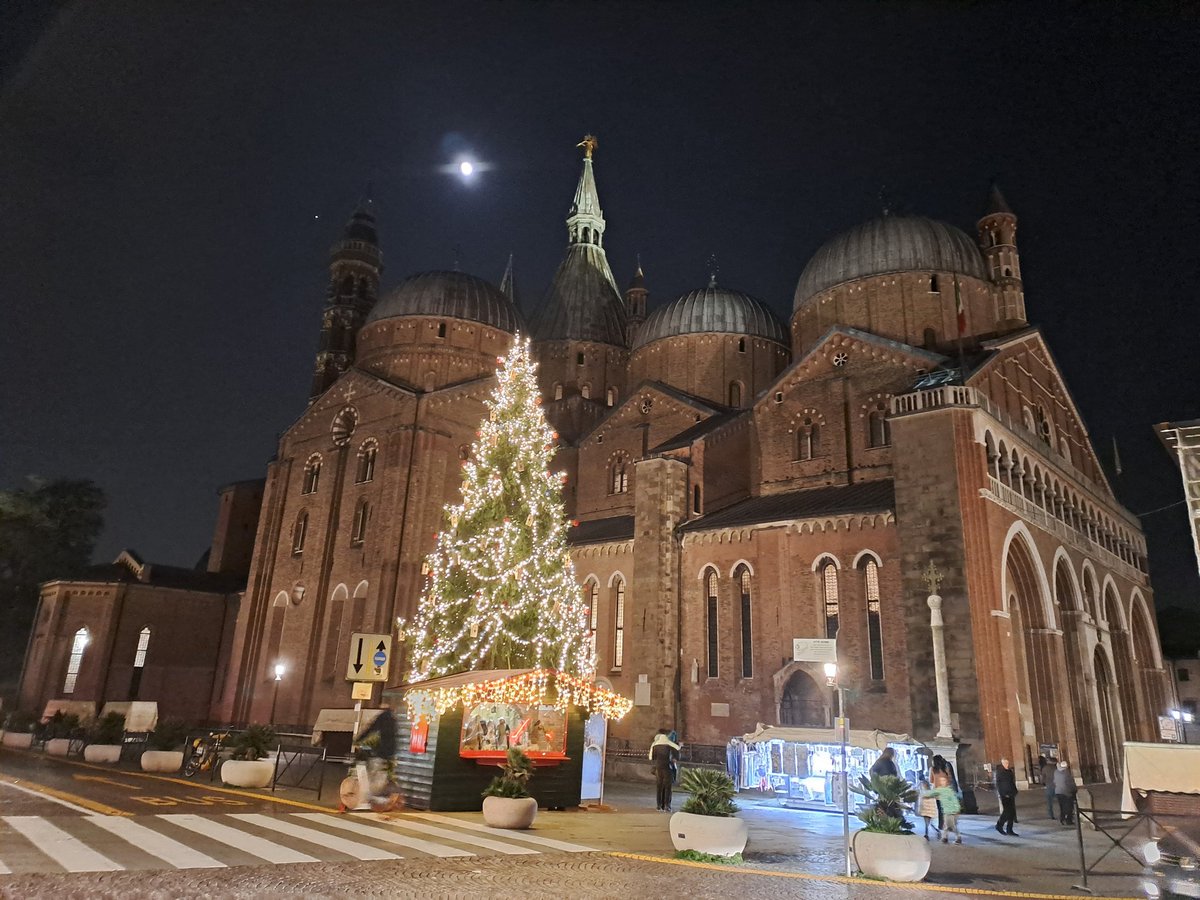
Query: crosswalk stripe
point(68, 851)
point(462, 837)
point(321, 838)
point(384, 834)
point(150, 841)
point(241, 840)
point(515, 835)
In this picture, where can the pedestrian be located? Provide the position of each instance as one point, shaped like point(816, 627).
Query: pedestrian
point(1006, 790)
point(1065, 788)
point(673, 737)
point(663, 751)
point(886, 764)
point(927, 807)
point(942, 766)
point(1048, 767)
point(947, 797)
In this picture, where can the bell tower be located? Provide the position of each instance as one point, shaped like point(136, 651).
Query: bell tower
point(998, 240)
point(635, 302)
point(355, 264)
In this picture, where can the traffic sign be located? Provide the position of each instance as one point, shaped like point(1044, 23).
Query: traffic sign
point(370, 657)
point(362, 690)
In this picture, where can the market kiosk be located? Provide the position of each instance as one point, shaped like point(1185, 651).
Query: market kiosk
point(802, 766)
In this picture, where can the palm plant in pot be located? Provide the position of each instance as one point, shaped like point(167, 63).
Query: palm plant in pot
point(886, 847)
point(707, 822)
point(105, 739)
point(164, 747)
point(506, 801)
point(247, 765)
point(18, 729)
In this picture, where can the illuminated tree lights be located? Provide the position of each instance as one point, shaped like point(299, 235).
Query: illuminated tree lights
point(501, 590)
point(537, 687)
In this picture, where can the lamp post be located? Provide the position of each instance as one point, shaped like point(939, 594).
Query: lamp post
point(831, 679)
point(279, 670)
point(1184, 718)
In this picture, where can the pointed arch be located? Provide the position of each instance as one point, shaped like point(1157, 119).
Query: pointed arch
point(711, 624)
point(869, 566)
point(334, 629)
point(742, 583)
point(1019, 532)
point(79, 643)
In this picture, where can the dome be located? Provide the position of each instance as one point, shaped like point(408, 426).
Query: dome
point(890, 244)
point(712, 310)
point(455, 295)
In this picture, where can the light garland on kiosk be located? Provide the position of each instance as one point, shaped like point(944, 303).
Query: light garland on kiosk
point(540, 687)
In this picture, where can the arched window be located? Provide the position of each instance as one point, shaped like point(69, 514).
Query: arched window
point(742, 579)
point(366, 461)
point(298, 532)
point(557, 390)
point(579, 359)
point(829, 591)
point(591, 596)
point(610, 396)
point(696, 499)
point(312, 474)
point(808, 440)
point(879, 433)
point(735, 393)
point(75, 660)
point(710, 620)
point(139, 662)
point(585, 391)
point(933, 285)
point(874, 624)
point(619, 475)
point(618, 623)
point(441, 332)
point(358, 531)
point(1044, 429)
point(741, 345)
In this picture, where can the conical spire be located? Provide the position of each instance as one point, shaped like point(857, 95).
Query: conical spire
point(585, 221)
point(996, 202)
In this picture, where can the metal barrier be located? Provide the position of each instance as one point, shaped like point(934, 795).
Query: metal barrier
point(1118, 826)
point(300, 760)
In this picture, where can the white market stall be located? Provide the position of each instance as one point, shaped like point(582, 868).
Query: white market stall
point(1154, 770)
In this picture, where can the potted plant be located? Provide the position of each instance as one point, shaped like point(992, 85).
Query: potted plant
point(506, 802)
point(58, 731)
point(164, 747)
point(885, 847)
point(106, 739)
point(707, 823)
point(247, 765)
point(18, 729)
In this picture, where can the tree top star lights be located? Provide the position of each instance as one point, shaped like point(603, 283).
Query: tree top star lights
point(501, 591)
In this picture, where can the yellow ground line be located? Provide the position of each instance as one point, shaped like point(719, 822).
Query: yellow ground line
point(93, 805)
point(842, 879)
point(191, 784)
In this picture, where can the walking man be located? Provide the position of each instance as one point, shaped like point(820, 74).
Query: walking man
point(1065, 788)
point(1006, 789)
point(1048, 768)
point(663, 751)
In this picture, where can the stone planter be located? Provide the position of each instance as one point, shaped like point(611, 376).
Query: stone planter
point(58, 746)
point(162, 760)
point(247, 773)
point(718, 835)
point(102, 753)
point(18, 740)
point(894, 857)
point(509, 812)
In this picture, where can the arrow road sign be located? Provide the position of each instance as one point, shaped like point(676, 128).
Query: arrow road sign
point(370, 656)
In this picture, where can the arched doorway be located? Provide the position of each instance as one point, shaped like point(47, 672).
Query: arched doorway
point(1151, 675)
point(1088, 754)
point(1125, 682)
point(803, 704)
point(1110, 721)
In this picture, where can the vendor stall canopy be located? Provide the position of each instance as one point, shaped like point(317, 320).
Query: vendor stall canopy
point(527, 687)
point(867, 740)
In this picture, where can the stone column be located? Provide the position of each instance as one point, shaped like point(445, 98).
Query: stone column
point(940, 673)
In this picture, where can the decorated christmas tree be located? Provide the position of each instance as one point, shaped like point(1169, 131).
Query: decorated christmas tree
point(501, 590)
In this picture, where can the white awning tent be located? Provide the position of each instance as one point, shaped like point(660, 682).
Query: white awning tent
point(341, 720)
point(867, 740)
point(1170, 768)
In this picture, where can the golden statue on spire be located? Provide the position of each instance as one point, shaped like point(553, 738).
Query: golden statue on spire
point(589, 144)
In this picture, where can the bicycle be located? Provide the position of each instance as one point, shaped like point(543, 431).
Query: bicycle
point(204, 752)
point(376, 785)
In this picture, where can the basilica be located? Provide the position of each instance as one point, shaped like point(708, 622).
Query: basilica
point(736, 482)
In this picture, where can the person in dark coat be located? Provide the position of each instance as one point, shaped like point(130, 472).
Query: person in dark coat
point(1047, 769)
point(384, 726)
point(663, 752)
point(1006, 789)
point(1066, 789)
point(886, 764)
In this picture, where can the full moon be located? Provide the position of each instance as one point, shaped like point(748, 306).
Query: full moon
point(465, 167)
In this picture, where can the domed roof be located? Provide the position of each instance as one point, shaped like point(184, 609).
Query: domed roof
point(712, 310)
point(890, 244)
point(455, 295)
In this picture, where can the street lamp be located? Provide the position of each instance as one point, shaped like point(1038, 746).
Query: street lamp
point(279, 670)
point(831, 679)
point(1184, 718)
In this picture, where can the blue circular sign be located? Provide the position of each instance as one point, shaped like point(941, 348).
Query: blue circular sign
point(379, 658)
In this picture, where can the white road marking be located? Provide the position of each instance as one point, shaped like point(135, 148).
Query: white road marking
point(486, 843)
point(515, 834)
point(41, 796)
point(241, 840)
point(384, 834)
point(320, 838)
point(68, 851)
point(146, 839)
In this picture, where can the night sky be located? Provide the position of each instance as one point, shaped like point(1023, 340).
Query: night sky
point(172, 175)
